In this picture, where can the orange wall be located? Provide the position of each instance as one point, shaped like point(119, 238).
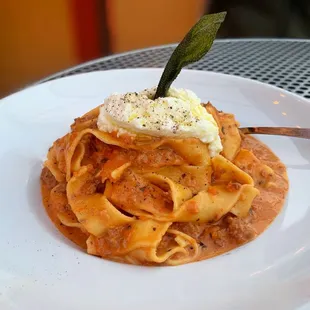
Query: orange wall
point(36, 40)
point(143, 23)
point(39, 37)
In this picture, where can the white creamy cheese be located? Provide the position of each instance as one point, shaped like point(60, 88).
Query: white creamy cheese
point(178, 115)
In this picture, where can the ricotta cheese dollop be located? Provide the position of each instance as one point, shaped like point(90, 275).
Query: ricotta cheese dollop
point(179, 115)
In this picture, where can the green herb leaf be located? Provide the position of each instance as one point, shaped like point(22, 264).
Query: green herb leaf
point(193, 47)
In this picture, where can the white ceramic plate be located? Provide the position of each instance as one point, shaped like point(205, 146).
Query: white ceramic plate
point(40, 269)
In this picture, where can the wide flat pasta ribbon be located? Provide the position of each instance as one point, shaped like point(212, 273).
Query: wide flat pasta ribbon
point(88, 120)
point(248, 162)
point(75, 139)
point(136, 235)
point(56, 160)
point(225, 171)
point(142, 242)
point(228, 131)
point(93, 210)
point(243, 205)
point(209, 206)
point(231, 140)
point(196, 178)
point(148, 195)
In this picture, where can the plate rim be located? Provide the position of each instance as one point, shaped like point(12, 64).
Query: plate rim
point(188, 71)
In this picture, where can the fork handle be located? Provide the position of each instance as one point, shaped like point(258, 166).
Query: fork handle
point(280, 131)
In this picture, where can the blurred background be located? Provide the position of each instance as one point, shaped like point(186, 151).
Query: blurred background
point(39, 38)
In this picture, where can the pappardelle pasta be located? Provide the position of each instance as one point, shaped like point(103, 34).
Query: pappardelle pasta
point(148, 200)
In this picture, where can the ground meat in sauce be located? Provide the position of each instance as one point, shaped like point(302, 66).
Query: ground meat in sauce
point(61, 188)
point(239, 229)
point(219, 236)
point(48, 179)
point(115, 239)
point(192, 229)
point(228, 231)
point(166, 242)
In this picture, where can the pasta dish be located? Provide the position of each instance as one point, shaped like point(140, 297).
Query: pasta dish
point(189, 189)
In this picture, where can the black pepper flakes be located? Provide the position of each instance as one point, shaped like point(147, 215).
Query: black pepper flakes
point(154, 228)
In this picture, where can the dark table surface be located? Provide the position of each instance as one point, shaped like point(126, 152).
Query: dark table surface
point(280, 62)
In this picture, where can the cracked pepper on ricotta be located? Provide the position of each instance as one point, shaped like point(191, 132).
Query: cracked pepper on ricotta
point(178, 115)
